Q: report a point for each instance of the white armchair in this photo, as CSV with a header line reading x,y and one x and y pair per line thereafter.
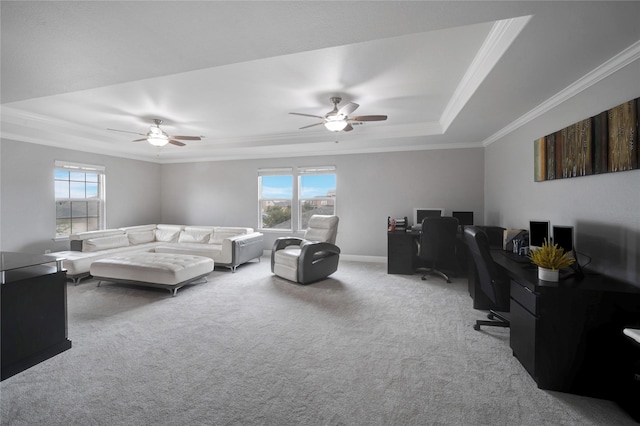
x,y
309,259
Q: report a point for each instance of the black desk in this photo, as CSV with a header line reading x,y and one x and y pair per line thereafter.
x,y
568,335
34,311
402,253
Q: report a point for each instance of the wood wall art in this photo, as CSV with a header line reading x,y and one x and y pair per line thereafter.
x,y
607,142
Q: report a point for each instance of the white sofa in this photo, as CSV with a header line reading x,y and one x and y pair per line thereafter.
x,y
227,246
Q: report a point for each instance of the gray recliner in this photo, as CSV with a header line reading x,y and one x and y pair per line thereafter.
x,y
309,259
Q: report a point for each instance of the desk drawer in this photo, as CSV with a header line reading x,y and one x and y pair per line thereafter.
x,y
525,297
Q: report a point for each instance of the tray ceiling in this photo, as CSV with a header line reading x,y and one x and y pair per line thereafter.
x,y
447,74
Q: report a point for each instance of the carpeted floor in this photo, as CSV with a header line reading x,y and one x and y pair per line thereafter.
x,y
247,348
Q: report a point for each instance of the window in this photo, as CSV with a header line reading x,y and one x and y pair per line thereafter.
x,y
79,195
316,193
288,197
275,197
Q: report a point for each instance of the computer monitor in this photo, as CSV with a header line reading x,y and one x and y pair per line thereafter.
x,y
563,237
538,232
464,218
419,213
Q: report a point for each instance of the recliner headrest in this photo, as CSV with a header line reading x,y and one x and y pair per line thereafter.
x,y
322,228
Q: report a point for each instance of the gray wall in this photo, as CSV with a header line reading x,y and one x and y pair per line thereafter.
x,y
370,187
27,217
604,209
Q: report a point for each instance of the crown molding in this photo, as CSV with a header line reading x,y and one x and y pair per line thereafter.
x,y
616,63
501,36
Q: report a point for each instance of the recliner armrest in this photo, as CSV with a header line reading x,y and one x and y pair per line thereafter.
x,y
317,260
312,248
283,242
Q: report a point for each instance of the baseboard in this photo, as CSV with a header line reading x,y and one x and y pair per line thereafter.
x,y
369,259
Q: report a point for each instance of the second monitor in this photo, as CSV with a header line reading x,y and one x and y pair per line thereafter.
x,y
563,237
419,213
464,218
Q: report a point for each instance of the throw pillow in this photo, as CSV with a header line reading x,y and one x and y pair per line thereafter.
x,y
167,236
141,237
194,237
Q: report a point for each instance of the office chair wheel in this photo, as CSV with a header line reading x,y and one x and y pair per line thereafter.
x,y
490,316
476,327
424,278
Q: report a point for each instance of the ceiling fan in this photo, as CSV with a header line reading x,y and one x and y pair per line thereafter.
x,y
158,137
338,119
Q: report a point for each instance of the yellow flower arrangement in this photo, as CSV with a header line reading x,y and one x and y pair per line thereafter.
x,y
551,257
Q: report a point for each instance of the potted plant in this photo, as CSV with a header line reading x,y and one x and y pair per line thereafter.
x,y
550,259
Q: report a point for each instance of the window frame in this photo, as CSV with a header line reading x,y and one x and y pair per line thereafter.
x,y
296,201
314,171
72,167
282,171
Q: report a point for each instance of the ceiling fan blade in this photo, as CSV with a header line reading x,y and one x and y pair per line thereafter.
x,y
348,128
126,131
139,140
348,108
187,138
369,118
307,115
176,143
310,125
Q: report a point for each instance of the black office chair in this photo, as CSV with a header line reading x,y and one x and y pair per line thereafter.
x,y
493,283
438,244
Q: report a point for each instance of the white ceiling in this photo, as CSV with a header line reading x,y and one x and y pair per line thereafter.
x,y
448,74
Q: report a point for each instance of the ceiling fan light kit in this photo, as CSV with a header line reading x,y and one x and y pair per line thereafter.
x,y
336,124
158,137
338,120
158,140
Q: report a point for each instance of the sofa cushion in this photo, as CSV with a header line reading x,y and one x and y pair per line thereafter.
x,y
138,228
194,236
170,227
141,237
103,243
95,234
167,235
222,232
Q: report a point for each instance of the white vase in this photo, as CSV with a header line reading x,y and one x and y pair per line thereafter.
x,y
548,274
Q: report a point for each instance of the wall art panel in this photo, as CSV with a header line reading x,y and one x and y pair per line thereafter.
x,y
607,142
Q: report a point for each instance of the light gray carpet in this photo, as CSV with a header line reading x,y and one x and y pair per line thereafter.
x,y
360,348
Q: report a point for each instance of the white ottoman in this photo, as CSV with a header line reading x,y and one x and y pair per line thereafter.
x,y
163,270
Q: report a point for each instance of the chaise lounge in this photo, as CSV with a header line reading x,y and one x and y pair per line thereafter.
x,y
228,247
